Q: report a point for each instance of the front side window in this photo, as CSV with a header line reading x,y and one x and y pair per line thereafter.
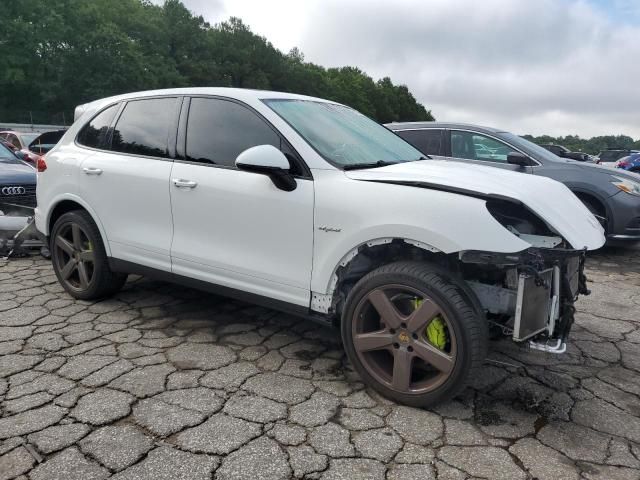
x,y
428,141
143,127
341,135
94,133
475,146
220,130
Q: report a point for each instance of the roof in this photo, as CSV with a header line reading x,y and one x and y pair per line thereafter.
x,y
243,94
419,125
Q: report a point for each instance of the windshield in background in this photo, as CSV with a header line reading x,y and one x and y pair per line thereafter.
x,y
27,138
7,156
612,155
529,147
342,135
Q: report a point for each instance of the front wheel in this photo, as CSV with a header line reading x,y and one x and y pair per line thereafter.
x,y
79,258
412,334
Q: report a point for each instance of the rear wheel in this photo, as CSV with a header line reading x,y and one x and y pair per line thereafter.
x,y
412,334
79,258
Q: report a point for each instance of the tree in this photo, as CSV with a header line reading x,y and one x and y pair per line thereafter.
x,y
57,54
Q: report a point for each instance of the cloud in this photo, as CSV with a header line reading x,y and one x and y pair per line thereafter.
x,y
544,66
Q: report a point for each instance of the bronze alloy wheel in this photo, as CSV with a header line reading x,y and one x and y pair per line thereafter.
x,y
74,256
395,344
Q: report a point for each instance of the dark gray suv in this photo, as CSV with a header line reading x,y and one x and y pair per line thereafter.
x,y
613,196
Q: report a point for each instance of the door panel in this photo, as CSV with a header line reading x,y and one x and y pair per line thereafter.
x,y
131,198
236,229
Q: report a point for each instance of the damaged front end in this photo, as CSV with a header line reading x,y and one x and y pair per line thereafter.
x,y
528,295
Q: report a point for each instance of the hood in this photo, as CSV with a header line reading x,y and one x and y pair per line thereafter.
x,y
552,201
17,173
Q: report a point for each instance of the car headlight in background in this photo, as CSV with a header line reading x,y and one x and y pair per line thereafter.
x,y
626,185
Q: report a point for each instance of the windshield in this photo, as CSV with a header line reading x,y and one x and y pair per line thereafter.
x,y
7,156
531,148
342,135
27,138
612,155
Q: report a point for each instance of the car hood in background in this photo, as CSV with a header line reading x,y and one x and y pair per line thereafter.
x,y
16,173
552,201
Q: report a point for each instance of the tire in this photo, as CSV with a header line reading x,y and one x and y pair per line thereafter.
x,y
366,333
79,259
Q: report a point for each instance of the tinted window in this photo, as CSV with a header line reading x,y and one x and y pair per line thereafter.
x,y
427,141
94,134
143,127
475,146
219,130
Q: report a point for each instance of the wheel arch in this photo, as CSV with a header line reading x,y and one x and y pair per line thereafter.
x,y
598,203
69,204
368,256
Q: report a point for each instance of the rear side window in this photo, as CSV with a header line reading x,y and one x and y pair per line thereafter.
x,y
143,127
427,141
219,130
94,134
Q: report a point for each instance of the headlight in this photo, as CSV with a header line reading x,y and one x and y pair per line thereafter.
x,y
626,185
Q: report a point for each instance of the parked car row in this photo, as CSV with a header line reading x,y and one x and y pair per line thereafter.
x,y
32,145
308,206
564,152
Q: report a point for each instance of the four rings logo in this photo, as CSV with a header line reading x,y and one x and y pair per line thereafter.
x,y
13,191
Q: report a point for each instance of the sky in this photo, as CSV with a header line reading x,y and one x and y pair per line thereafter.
x,y
557,67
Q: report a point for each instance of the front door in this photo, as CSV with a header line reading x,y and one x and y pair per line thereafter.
x,y
235,228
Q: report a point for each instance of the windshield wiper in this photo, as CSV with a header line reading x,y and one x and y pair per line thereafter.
x,y
358,166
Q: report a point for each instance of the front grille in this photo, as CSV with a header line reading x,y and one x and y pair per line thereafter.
x,y
26,199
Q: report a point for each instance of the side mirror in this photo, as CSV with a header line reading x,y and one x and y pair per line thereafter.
x,y
517,158
270,161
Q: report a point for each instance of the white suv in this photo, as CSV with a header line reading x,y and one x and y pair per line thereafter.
x,y
308,206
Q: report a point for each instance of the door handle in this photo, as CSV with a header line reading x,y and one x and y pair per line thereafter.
x,y
181,183
92,171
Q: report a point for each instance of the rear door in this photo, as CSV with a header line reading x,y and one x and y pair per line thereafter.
x,y
481,149
127,181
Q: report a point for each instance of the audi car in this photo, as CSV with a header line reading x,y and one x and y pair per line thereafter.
x,y
17,182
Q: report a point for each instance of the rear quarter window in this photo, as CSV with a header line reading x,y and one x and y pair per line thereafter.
x,y
94,134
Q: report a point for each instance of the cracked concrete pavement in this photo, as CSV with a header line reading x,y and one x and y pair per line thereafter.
x,y
164,382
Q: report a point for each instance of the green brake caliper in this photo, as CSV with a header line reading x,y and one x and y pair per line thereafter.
x,y
436,331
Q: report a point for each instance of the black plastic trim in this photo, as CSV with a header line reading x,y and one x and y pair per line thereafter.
x,y
125,266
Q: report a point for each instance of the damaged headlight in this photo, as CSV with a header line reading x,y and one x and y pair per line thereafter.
x,y
514,216
626,185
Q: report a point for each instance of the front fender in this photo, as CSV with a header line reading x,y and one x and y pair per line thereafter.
x,y
350,213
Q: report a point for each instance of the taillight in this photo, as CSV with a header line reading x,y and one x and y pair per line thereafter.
x,y
621,164
41,164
